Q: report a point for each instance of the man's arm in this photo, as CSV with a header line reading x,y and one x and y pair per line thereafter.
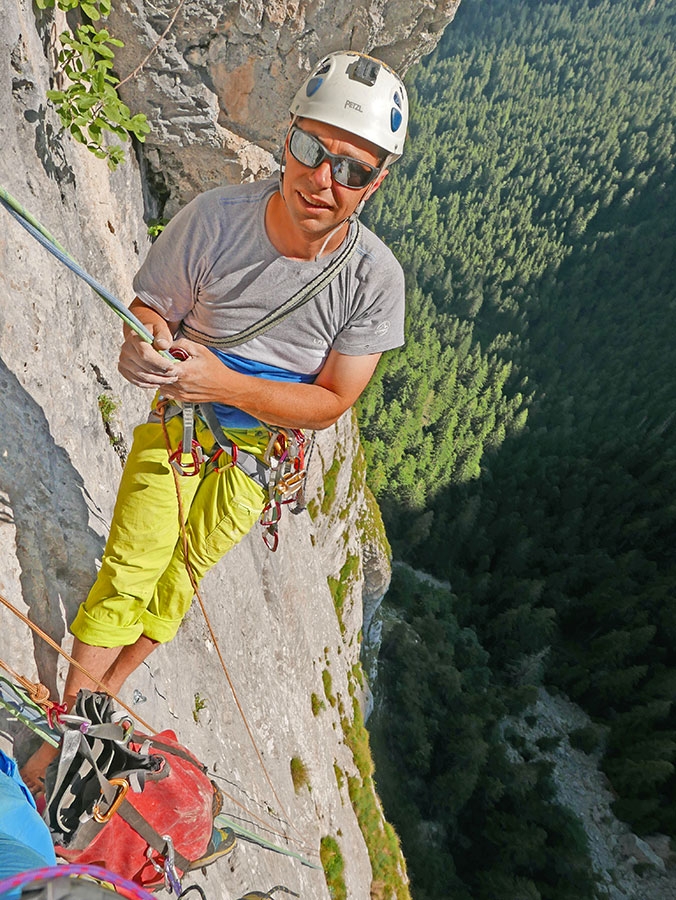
x,y
204,378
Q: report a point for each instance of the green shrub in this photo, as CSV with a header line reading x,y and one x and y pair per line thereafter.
x,y
587,739
299,773
333,865
317,704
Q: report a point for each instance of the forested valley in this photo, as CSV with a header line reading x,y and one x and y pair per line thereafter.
x,y
522,445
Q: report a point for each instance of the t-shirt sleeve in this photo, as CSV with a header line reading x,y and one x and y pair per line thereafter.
x,y
169,279
378,323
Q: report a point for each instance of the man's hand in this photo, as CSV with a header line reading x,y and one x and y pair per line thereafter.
x,y
140,362
201,377
204,378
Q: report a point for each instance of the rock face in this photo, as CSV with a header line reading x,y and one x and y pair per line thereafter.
x,y
627,867
288,623
218,87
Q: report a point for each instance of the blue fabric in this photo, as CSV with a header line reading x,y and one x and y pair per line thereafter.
x,y
25,841
229,416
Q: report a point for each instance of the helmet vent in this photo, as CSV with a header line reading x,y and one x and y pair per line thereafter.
x,y
313,86
395,119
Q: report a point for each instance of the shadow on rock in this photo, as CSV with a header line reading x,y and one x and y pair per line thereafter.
x,y
46,500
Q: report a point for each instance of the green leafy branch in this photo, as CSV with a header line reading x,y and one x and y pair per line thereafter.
x,y
90,106
93,11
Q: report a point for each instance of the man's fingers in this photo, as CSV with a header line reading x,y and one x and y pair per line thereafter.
x,y
162,342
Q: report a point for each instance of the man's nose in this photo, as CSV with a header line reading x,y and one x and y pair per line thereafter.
x,y
322,175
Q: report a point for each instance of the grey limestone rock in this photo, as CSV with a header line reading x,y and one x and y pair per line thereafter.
x,y
215,92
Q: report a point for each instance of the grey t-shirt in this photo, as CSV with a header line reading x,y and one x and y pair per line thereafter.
x,y
214,268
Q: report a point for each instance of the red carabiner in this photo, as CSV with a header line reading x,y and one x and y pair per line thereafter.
x,y
197,458
271,538
272,513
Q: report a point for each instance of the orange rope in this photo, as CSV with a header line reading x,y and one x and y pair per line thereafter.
x,y
37,692
161,407
73,662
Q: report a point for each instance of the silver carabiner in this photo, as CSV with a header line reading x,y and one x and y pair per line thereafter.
x,y
171,879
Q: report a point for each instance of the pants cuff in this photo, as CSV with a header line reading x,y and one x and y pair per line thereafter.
x,y
103,634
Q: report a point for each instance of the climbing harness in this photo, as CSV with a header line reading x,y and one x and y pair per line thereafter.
x,y
141,805
283,474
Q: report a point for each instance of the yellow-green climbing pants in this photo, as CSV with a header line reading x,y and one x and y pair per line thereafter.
x,y
143,586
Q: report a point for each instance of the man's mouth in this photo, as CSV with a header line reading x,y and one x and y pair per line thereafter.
x,y
311,201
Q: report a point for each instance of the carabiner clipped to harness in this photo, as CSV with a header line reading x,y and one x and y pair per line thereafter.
x,y
107,815
171,880
285,454
196,454
196,459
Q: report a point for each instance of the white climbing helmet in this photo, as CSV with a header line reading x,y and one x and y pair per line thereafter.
x,y
360,94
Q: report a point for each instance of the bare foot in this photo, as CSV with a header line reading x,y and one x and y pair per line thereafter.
x,y
33,772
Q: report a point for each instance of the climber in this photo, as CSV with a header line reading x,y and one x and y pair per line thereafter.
x,y
232,258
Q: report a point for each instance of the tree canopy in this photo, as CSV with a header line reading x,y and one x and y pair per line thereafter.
x,y
522,444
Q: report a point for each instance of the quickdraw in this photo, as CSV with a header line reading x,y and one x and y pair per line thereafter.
x,y
285,454
171,880
195,453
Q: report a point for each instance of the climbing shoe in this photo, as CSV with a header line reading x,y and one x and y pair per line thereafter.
x,y
222,841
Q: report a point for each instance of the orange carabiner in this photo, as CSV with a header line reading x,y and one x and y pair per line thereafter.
x,y
123,786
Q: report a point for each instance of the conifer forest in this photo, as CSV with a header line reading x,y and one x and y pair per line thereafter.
x,y
522,446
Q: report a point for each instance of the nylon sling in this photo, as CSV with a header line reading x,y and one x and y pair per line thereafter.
x,y
248,463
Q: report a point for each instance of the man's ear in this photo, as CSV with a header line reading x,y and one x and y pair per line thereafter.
x,y
373,187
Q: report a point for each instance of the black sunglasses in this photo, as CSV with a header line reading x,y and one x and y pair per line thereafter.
x,y
309,151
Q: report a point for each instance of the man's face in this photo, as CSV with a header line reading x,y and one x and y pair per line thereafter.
x,y
315,201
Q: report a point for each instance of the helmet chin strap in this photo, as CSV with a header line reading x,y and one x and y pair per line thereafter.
x,y
352,218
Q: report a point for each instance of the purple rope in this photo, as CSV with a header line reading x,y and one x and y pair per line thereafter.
x,y
66,871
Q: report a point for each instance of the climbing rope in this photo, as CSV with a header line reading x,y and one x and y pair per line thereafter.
x,y
195,587
48,873
73,662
